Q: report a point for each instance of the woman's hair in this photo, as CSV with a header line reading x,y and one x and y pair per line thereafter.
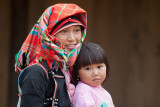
x,y
90,53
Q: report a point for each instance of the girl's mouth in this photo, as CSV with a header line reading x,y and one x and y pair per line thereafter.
x,y
96,79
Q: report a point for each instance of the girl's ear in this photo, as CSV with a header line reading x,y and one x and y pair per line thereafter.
x,y
78,78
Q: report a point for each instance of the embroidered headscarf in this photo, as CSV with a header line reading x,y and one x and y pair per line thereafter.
x,y
41,44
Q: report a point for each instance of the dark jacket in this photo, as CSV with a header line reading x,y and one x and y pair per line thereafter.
x,y
41,87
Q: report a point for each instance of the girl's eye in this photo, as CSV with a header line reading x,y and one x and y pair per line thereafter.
x,y
88,68
100,66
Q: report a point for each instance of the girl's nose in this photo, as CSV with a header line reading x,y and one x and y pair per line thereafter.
x,y
95,72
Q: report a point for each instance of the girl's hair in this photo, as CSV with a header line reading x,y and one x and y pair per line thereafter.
x,y
90,53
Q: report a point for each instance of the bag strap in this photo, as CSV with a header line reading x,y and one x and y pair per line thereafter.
x,y
43,69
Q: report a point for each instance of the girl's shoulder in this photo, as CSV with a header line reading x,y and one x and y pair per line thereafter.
x,y
82,85
84,96
83,88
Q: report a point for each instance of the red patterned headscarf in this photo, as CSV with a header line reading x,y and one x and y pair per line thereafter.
x,y
41,44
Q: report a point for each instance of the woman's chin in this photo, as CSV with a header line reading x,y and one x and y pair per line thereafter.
x,y
67,51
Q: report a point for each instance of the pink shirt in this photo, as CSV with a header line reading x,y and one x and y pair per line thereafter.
x,y
88,96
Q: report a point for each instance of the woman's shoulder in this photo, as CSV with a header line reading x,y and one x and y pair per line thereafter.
x,y
33,72
33,69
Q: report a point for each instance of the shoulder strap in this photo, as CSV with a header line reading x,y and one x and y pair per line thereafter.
x,y
46,71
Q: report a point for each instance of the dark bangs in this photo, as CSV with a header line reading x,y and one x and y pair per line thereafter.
x,y
92,55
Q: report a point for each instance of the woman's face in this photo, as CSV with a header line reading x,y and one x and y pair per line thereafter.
x,y
69,37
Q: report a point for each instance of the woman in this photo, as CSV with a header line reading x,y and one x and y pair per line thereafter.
x,y
47,55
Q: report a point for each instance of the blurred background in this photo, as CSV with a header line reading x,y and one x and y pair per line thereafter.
x,y
128,30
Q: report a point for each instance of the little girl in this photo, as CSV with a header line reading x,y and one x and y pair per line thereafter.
x,y
89,72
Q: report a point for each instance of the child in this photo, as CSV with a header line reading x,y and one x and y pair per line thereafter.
x,y
89,72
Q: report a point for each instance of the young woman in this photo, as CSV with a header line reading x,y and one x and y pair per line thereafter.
x,y
89,72
47,55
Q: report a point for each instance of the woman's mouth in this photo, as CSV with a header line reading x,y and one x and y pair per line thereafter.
x,y
69,47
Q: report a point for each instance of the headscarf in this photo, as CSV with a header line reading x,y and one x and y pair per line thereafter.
x,y
40,44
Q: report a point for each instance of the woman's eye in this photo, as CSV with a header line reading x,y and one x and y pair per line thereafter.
x,y
63,31
77,30
88,68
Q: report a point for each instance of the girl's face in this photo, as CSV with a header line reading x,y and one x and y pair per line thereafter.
x,y
93,75
69,37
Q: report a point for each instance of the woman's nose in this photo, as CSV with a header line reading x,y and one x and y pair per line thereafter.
x,y
71,36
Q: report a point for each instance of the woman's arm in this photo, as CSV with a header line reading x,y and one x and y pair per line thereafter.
x,y
33,83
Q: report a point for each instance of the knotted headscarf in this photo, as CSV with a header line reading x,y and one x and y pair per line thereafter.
x,y
41,44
